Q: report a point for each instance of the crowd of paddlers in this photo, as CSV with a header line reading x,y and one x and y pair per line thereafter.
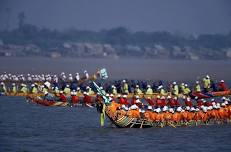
x,y
153,101
34,83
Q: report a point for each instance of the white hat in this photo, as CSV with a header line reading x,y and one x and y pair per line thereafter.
x,y
133,107
187,108
125,96
45,92
118,96
137,97
179,109
149,107
137,101
148,86
13,84
165,108
222,81
32,85
158,96
163,97
78,88
107,95
197,82
158,110
174,83
67,85
84,92
186,85
87,87
137,86
207,76
171,110
124,80
160,87
168,97
61,91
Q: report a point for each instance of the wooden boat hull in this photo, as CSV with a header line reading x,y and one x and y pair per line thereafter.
x,y
40,101
211,94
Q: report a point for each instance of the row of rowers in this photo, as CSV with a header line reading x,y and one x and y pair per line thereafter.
x,y
125,88
224,108
162,101
46,87
42,77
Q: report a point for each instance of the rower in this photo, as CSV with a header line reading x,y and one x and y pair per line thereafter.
x,y
150,101
48,96
114,90
87,99
188,102
124,87
67,90
14,89
222,86
24,88
149,90
89,91
175,89
186,90
206,83
138,91
171,102
74,98
3,89
162,91
62,97
197,87
34,89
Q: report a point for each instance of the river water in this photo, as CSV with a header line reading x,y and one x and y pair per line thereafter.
x,y
26,127
145,69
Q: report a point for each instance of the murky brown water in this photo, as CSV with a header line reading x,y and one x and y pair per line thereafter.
x,y
122,68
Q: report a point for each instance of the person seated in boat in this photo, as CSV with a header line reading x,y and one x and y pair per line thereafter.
x,y
3,89
206,83
148,114
62,97
24,88
134,111
14,88
186,90
199,102
188,102
34,89
158,101
162,90
163,101
222,86
149,90
138,103
124,87
74,98
181,88
89,90
114,90
67,90
124,100
150,101
197,87
138,90
175,89
87,100
48,96
170,102
176,101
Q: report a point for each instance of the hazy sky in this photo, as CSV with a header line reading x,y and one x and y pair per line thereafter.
x,y
186,16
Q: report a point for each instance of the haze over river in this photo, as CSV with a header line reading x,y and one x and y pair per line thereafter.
x,y
145,69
